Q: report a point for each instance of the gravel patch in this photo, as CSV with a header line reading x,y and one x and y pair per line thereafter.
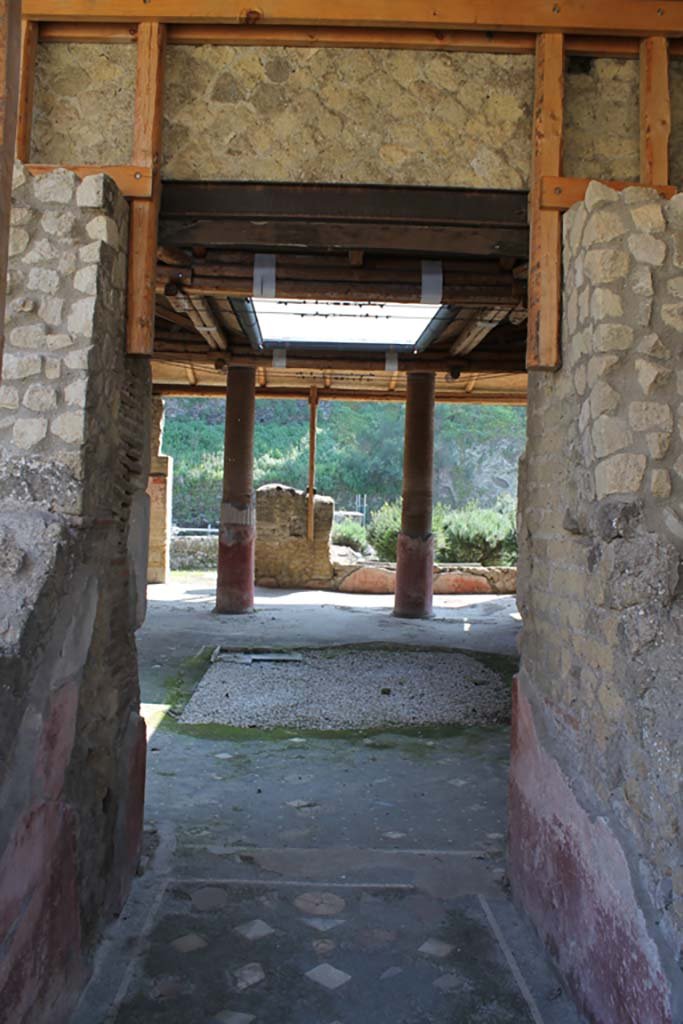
x,y
350,690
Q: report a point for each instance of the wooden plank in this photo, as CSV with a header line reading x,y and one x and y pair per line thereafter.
x,y
459,41
29,46
655,111
87,32
144,213
629,17
560,193
545,263
133,182
10,43
174,390
477,325
202,316
430,240
312,439
349,203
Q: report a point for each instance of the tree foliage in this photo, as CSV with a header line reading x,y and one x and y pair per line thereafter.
x,y
360,451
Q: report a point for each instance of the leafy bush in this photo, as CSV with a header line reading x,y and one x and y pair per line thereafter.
x,y
384,528
486,535
350,534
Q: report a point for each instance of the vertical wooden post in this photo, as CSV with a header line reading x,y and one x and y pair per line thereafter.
x,y
655,111
312,438
29,46
10,27
545,257
144,213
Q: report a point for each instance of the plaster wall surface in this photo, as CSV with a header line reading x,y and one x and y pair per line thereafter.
x,y
74,439
340,115
595,799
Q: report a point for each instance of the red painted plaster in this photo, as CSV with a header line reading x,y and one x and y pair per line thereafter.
x,y
570,874
414,576
236,564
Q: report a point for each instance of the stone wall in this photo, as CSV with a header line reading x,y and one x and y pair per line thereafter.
x,y
73,527
595,833
160,491
284,555
368,116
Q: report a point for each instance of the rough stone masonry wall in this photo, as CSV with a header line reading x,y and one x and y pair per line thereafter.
x,y
74,449
369,116
595,833
284,555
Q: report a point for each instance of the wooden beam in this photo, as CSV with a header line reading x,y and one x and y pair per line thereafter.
x,y
629,17
545,263
655,111
10,41
29,46
312,440
561,193
342,395
144,213
202,316
477,325
133,182
458,41
489,363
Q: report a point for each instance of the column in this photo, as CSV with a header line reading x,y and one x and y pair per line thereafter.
x,y
237,538
415,550
160,491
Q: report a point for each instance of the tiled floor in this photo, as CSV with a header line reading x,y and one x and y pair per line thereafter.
x,y
232,953
321,879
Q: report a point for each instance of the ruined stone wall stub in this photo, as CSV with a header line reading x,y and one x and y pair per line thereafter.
x,y
74,437
284,555
160,491
358,116
595,806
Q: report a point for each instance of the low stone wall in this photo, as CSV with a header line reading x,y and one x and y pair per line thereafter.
x,y
193,553
285,557
73,551
374,578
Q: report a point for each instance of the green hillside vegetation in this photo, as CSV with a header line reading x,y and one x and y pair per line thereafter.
x,y
360,451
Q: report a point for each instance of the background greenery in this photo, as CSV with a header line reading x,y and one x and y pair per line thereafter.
x,y
360,451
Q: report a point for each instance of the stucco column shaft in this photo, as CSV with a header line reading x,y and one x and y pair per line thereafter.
x,y
237,538
415,549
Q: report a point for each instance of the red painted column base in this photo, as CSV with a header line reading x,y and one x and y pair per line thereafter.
x,y
236,562
414,577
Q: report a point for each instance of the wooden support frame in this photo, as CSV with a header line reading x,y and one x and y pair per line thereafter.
x,y
133,182
29,47
312,444
637,18
655,111
10,31
144,213
545,263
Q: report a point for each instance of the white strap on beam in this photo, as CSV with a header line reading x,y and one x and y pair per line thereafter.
x,y
264,276
432,282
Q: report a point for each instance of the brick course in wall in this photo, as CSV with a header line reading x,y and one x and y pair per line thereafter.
x,y
595,833
73,532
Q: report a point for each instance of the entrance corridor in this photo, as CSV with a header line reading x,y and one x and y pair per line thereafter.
x,y
304,877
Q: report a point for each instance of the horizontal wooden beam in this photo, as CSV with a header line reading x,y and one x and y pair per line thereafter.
x,y
627,18
459,41
340,394
360,363
133,182
559,193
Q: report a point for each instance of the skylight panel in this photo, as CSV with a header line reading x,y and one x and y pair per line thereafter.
x,y
308,322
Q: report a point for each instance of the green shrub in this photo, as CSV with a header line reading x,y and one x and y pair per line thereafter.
x,y
349,533
384,528
474,534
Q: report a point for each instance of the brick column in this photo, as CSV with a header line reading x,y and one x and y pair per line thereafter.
x,y
160,491
237,538
415,551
